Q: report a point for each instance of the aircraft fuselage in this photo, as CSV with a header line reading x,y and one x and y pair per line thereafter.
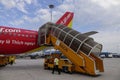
x,y
15,41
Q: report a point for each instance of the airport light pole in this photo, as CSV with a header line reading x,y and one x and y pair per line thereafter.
x,y
51,6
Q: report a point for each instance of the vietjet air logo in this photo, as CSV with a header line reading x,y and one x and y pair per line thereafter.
x,y
9,30
66,19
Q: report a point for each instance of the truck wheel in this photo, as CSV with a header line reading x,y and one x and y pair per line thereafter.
x,y
71,72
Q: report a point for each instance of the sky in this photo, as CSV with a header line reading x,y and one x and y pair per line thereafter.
x,y
102,16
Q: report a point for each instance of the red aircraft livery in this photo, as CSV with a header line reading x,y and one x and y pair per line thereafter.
x,y
17,41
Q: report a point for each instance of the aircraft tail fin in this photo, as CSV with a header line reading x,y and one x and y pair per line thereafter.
x,y
66,19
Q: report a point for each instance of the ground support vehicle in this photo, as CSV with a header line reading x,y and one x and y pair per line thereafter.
x,y
81,50
5,60
64,64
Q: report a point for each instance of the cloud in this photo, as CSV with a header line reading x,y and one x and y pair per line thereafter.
x,y
66,5
29,1
44,14
8,3
110,41
31,19
17,22
19,4
107,3
25,21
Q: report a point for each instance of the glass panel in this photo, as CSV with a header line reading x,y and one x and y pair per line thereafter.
x,y
68,39
62,36
86,49
42,39
56,32
73,33
90,42
75,45
66,29
81,37
97,50
49,30
52,30
61,26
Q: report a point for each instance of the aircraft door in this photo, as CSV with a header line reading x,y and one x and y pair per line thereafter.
x,y
42,35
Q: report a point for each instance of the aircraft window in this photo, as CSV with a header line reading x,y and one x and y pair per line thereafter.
x,y
23,35
26,35
68,39
75,45
73,32
86,49
5,33
81,37
66,29
62,36
34,36
57,32
18,34
14,34
31,36
10,34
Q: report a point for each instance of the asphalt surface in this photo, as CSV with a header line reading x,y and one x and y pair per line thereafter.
x,y
27,69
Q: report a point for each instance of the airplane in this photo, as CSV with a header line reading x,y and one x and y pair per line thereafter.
x,y
79,48
18,41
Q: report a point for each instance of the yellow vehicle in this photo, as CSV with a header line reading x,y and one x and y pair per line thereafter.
x,y
11,59
81,50
4,60
64,64
49,60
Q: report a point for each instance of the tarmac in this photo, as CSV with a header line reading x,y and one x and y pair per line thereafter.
x,y
32,69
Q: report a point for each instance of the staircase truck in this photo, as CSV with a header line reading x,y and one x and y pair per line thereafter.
x,y
82,51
